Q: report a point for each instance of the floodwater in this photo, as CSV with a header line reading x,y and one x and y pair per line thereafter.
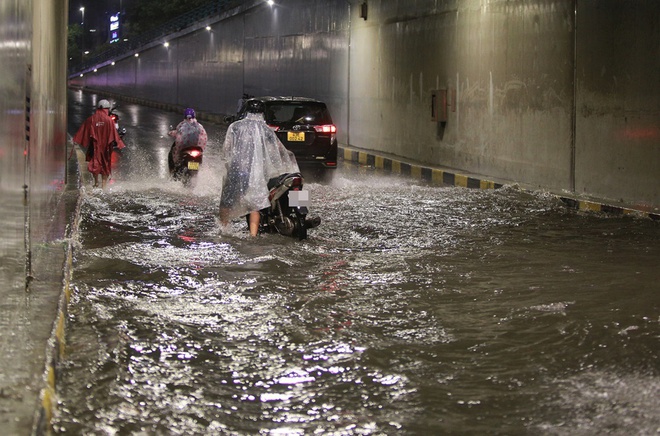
x,y
413,309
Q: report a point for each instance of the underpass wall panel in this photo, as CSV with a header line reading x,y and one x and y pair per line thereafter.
x,y
515,82
298,49
47,152
15,35
33,104
506,69
121,77
156,74
32,180
618,104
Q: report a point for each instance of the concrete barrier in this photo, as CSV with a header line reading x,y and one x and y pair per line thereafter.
x,y
56,345
447,176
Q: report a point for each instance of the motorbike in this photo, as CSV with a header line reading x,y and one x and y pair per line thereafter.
x,y
115,119
287,214
116,151
189,159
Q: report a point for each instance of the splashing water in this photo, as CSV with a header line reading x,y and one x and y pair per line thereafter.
x,y
412,309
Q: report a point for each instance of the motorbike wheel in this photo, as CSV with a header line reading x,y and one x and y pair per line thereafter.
x,y
302,228
188,178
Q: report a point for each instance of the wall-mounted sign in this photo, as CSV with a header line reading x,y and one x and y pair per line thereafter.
x,y
114,28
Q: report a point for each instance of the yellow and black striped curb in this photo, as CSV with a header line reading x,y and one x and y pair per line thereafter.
x,y
55,353
42,424
428,174
450,178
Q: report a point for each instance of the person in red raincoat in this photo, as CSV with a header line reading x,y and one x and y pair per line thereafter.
x,y
98,136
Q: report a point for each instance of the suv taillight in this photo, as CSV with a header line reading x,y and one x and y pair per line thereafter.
x,y
274,128
326,128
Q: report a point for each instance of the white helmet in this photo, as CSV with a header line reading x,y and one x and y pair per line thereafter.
x,y
104,104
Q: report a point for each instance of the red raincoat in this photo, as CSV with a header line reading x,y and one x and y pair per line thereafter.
x,y
97,135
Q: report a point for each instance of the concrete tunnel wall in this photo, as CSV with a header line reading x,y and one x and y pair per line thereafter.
x,y
32,126
34,217
560,95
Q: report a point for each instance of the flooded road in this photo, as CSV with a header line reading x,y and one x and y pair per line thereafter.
x,y
413,309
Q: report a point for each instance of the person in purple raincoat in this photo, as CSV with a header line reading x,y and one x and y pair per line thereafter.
x,y
188,133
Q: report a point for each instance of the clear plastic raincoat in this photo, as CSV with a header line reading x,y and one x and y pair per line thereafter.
x,y
253,155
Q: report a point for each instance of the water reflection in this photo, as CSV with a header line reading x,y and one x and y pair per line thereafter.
x,y
411,310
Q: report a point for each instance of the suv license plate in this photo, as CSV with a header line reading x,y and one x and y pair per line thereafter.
x,y
295,136
194,166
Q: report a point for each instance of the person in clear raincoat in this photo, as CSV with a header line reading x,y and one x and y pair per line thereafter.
x,y
188,133
253,155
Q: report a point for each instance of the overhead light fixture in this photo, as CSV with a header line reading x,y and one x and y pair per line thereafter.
x,y
208,28
270,2
167,44
136,54
113,62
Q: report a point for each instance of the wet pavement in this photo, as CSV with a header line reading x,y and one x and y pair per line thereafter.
x,y
413,309
28,309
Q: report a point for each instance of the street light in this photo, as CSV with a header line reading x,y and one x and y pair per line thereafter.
x,y
82,34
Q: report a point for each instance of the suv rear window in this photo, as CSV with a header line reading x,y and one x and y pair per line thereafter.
x,y
297,113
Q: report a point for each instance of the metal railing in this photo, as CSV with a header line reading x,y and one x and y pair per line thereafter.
x,y
178,24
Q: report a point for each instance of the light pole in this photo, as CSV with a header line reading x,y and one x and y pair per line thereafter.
x,y
82,35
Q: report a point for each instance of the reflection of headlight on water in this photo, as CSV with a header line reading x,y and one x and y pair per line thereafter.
x,y
274,397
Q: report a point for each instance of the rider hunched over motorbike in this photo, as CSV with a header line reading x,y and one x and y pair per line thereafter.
x,y
189,134
253,156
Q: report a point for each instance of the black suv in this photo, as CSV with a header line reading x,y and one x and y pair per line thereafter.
x,y
304,126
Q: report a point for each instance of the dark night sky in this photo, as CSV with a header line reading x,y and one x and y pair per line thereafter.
x,y
97,15
95,10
